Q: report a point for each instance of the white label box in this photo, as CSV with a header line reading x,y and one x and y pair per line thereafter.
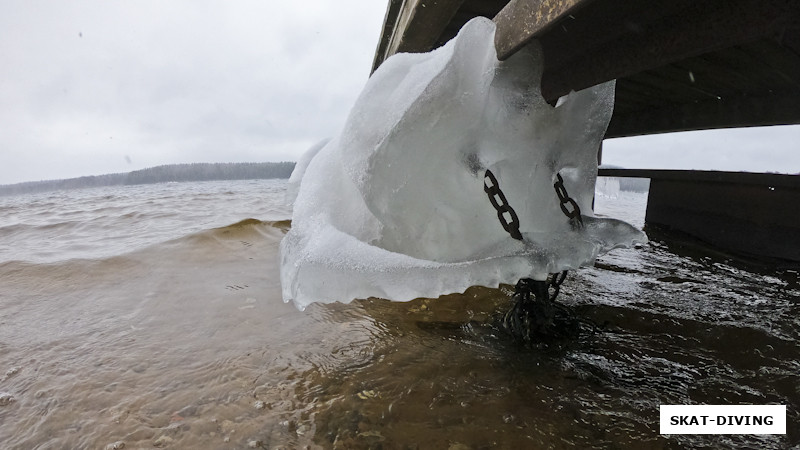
x,y
723,419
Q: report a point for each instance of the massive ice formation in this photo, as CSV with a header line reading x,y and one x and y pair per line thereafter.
x,y
394,207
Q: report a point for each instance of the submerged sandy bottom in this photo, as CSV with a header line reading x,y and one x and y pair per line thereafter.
x,y
187,344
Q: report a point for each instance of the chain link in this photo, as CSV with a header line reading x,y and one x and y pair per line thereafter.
x,y
568,205
535,310
532,312
554,284
537,319
566,202
501,205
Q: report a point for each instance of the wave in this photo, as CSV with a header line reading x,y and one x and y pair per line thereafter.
x,y
40,245
246,223
17,228
269,230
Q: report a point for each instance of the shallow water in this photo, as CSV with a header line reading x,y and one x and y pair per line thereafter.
x,y
151,316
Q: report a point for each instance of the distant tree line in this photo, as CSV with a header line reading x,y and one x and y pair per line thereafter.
x,y
160,174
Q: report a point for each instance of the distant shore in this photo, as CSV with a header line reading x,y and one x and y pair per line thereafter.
x,y
160,174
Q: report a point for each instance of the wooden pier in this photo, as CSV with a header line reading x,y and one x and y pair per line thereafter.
x,y
680,65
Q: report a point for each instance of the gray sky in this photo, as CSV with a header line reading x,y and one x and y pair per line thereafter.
x,y
762,149
92,87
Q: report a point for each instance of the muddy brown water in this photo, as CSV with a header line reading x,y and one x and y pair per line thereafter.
x,y
144,339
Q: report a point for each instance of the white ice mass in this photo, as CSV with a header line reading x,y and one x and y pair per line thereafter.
x,y
394,206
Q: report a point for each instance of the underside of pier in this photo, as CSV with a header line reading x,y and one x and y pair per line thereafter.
x,y
680,65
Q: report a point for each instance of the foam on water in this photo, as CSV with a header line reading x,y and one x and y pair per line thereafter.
x,y
395,207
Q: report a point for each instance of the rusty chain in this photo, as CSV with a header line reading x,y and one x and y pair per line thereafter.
x,y
498,199
535,306
565,201
536,319
502,207
554,284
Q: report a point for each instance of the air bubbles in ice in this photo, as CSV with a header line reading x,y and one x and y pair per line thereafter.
x,y
394,206
6,399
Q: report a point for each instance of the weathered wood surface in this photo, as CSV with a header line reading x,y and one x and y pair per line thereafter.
x,y
579,61
522,20
417,25
747,213
679,64
736,111
711,176
759,220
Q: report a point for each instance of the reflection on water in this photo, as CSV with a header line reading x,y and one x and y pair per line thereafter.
x,y
186,344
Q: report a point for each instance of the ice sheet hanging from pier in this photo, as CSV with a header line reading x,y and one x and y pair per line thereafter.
x,y
395,207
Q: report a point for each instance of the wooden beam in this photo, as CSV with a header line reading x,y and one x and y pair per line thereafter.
x,y
739,211
706,26
745,218
389,25
708,176
413,26
421,23
522,20
775,109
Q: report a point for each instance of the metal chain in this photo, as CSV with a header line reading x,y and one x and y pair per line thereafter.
x,y
501,205
535,308
568,205
532,312
554,284
535,318
565,200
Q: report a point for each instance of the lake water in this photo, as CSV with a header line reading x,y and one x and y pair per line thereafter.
x,y
151,316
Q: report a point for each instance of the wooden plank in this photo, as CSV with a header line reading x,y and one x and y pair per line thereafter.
x,y
790,38
671,90
416,26
738,211
704,27
710,71
421,23
485,8
745,51
781,60
451,30
521,20
631,97
389,25
715,176
748,59
705,85
779,108
601,22
745,218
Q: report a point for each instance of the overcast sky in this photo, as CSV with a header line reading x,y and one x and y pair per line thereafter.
x,y
93,87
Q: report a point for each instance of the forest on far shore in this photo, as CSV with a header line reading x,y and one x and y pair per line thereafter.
x,y
160,174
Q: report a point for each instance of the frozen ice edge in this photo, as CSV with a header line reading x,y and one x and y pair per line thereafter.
x,y
363,229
